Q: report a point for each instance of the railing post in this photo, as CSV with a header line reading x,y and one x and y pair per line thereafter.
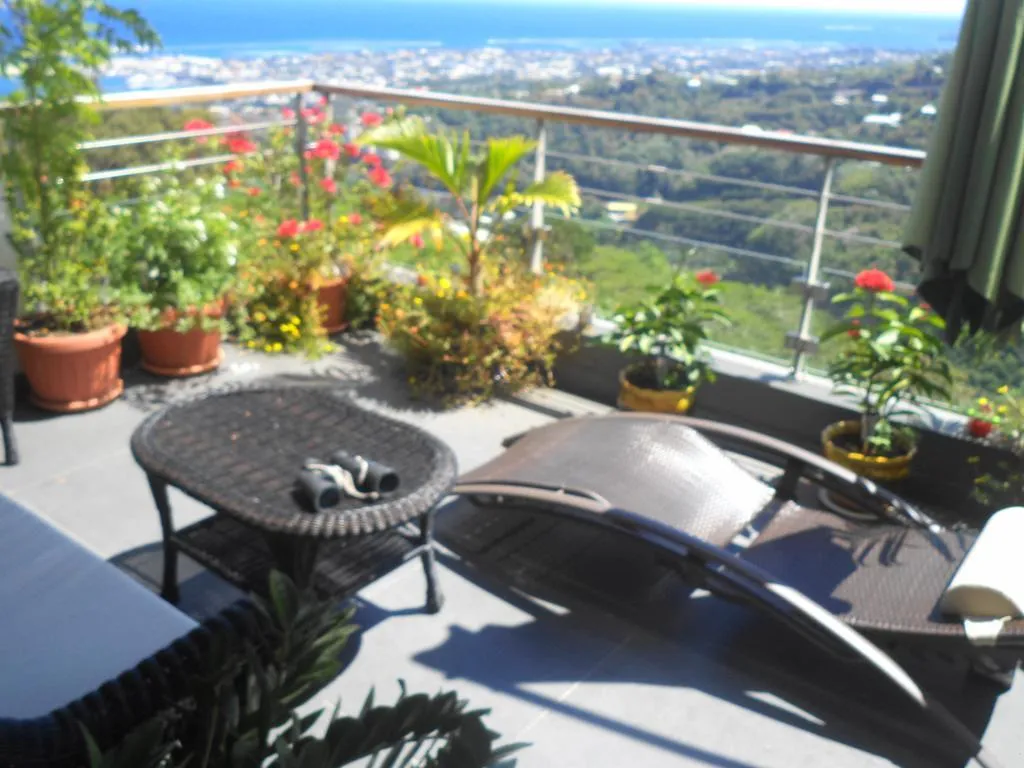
x,y
537,214
802,341
301,144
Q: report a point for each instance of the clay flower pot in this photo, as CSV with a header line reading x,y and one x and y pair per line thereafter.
x,y
169,352
73,371
332,297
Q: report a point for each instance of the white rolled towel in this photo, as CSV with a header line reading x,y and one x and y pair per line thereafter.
x,y
989,584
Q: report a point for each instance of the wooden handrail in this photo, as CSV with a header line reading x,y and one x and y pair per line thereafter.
x,y
174,96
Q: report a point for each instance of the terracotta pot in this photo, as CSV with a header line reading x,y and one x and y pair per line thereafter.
x,y
634,398
872,467
168,352
73,371
332,297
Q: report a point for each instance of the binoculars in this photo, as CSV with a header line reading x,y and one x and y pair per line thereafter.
x,y
323,484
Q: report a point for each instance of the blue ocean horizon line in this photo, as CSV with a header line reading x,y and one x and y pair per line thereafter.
x,y
310,26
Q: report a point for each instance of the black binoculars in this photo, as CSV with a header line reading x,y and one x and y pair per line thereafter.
x,y
369,478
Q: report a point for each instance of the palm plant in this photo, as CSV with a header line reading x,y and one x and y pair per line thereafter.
x,y
478,182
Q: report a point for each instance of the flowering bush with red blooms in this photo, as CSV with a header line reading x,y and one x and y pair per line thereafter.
x,y
707,277
241,145
197,124
998,419
326,149
330,186
288,114
371,119
893,355
352,150
380,176
371,159
460,348
874,280
334,129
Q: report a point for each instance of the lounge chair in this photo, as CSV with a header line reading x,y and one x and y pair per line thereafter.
x,y
833,578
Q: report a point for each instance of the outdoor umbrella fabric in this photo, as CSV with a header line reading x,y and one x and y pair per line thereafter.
x,y
966,226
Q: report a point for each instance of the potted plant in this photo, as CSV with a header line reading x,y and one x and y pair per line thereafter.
x,y
892,357
69,339
185,252
669,330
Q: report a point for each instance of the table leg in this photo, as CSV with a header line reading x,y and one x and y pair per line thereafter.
x,y
169,588
434,597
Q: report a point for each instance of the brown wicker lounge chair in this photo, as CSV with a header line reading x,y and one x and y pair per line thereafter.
x,y
834,579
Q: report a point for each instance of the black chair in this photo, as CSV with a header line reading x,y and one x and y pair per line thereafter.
x,y
8,311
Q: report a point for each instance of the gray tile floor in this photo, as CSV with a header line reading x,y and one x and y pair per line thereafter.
x,y
584,686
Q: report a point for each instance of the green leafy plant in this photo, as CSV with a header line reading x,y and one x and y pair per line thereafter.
x,y
479,183
183,254
243,714
54,50
670,329
893,355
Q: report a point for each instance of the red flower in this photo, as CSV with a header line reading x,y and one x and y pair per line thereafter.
x,y
325,149
706,277
355,219
308,154
259,218
241,145
313,225
234,183
233,166
371,159
371,119
379,176
254,191
421,281
874,280
979,428
288,228
352,150
313,115
294,179
323,101
288,113
854,333
198,125
335,129
926,306
329,186
416,240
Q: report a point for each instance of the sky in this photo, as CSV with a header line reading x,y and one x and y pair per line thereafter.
x,y
924,7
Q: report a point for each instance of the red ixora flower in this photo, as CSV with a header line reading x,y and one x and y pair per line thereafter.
x,y
241,145
706,277
874,280
288,113
979,428
379,176
313,115
352,150
355,219
199,125
371,159
254,191
335,129
288,228
233,166
313,225
416,240
325,149
329,186
371,119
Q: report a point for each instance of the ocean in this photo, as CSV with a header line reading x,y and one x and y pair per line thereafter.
x,y
260,28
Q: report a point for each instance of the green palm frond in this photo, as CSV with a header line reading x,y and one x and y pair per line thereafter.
x,y
558,189
446,158
502,156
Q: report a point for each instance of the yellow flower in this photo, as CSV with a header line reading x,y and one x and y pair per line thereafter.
x,y
982,401
278,346
418,301
251,344
263,241
294,320
259,317
443,284
343,219
1003,390
243,214
460,294
268,348
294,247
1003,409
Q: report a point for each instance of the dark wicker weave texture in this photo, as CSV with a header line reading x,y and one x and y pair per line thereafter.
x,y
8,310
240,451
120,705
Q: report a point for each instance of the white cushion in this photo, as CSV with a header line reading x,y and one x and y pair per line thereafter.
x,y
989,584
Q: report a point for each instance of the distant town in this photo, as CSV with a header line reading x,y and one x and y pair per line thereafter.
x,y
428,66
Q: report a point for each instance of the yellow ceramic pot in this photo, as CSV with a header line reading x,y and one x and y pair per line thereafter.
x,y
634,398
872,467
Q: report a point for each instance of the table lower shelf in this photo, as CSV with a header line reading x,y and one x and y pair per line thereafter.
x,y
240,554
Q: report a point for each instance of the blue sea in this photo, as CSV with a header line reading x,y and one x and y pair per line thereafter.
x,y
241,28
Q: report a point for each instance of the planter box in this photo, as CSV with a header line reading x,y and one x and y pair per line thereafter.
x,y
757,396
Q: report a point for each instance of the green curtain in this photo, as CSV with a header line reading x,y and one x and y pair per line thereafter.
x,y
966,226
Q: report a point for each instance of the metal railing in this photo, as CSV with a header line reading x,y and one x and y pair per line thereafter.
x,y
810,284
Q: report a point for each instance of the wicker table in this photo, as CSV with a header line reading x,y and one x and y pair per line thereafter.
x,y
239,452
